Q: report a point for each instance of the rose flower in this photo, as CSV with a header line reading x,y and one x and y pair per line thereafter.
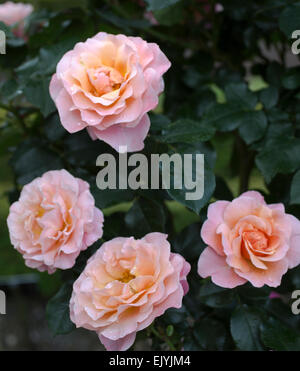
x,y
249,241
107,85
54,219
13,14
125,285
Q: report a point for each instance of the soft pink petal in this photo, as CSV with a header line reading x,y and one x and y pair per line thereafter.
x,y
119,136
293,254
118,345
214,265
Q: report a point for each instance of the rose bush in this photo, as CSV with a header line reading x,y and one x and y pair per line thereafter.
x,y
182,77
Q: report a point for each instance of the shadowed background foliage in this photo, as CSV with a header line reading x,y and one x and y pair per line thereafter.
x,y
234,79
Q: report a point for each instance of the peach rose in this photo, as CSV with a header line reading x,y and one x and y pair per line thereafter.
x,y
125,285
107,85
13,14
249,241
54,219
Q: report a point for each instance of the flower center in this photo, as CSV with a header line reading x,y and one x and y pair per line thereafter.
x,y
127,277
257,242
104,80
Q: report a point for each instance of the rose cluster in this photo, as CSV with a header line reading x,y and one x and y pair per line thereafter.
x,y
107,85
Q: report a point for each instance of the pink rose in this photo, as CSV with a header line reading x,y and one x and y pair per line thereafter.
x,y
107,85
54,219
249,241
13,14
126,284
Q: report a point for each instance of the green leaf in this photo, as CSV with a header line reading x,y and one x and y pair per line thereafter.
x,y
224,117
109,197
115,226
27,70
175,316
160,4
32,159
145,216
281,156
190,343
58,312
277,336
210,334
276,116
249,293
198,176
289,19
244,325
10,90
187,131
253,127
215,296
295,189
282,310
188,243
80,149
269,97
275,131
240,94
53,128
37,93
10,136
222,191
158,122
291,79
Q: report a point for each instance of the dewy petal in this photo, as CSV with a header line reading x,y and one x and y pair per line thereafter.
x,y
55,87
214,265
255,196
70,117
210,236
239,208
119,136
216,211
293,254
121,344
270,276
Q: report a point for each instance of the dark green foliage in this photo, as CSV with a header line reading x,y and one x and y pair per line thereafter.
x,y
246,122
